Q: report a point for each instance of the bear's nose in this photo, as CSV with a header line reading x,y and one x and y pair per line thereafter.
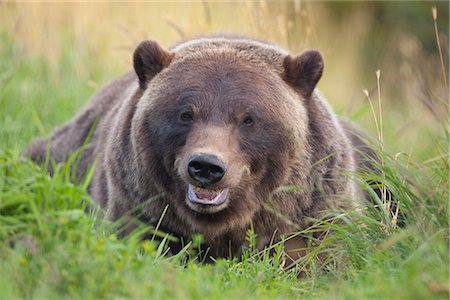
x,y
206,169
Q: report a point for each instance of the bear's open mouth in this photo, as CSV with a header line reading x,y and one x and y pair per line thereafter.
x,y
207,197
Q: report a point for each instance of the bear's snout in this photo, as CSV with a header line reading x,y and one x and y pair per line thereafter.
x,y
206,169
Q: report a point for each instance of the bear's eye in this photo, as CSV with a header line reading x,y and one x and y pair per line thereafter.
x,y
187,117
248,121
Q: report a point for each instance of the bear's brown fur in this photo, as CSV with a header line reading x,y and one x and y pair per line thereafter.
x,y
209,131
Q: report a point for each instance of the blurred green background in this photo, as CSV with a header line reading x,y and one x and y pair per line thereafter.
x,y
77,47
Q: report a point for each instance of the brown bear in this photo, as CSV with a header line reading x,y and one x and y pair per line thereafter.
x,y
203,137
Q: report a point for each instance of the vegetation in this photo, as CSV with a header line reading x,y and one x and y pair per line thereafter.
x,y
55,244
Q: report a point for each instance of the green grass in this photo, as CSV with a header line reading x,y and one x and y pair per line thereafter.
x,y
52,246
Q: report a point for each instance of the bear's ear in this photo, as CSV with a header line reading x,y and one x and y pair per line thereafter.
x,y
149,59
303,71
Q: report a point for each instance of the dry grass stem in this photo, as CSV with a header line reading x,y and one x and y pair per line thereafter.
x,y
438,42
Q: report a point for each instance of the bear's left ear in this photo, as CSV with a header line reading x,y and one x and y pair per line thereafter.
x,y
149,59
303,71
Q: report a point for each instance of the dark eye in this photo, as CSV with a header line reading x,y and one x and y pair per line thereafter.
x,y
248,121
187,117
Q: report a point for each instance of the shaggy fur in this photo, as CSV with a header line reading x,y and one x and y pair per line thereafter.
x,y
248,103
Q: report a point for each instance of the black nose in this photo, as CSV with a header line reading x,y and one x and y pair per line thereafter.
x,y
206,169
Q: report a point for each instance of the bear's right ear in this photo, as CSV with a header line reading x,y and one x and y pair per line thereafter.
x,y
303,71
149,59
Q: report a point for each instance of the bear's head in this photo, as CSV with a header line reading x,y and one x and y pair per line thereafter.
x,y
220,124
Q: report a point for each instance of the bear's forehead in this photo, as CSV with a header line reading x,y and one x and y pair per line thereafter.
x,y
253,51
226,62
225,75
219,76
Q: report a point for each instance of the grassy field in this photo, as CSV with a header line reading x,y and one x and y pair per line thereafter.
x,y
52,59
